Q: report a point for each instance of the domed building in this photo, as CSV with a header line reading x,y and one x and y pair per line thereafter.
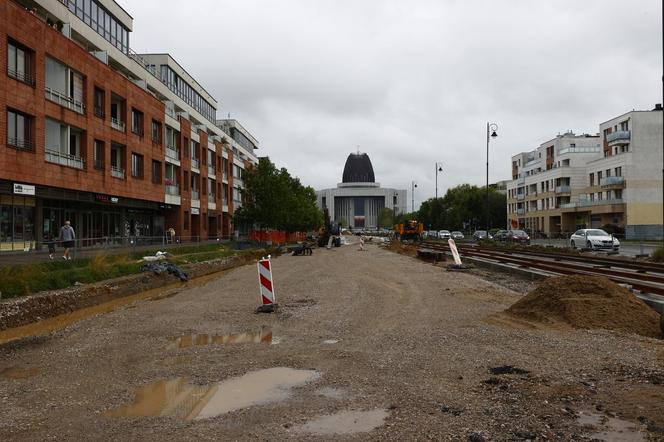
x,y
358,199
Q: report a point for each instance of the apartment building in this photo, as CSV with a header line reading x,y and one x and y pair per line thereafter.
x,y
121,144
575,181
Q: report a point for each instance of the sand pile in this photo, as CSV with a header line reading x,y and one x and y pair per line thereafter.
x,y
404,249
587,302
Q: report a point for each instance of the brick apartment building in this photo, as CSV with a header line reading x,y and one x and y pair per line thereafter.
x,y
576,181
121,144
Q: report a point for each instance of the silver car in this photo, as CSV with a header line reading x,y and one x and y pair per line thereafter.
x,y
444,234
456,235
594,239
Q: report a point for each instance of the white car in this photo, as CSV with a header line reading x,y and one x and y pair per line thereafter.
x,y
456,235
444,234
594,239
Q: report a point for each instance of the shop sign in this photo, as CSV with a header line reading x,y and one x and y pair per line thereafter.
x,y
106,199
195,211
23,189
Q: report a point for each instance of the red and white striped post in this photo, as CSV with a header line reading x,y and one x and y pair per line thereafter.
x,y
266,285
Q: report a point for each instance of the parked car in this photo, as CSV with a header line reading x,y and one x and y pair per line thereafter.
x,y
431,234
501,235
594,239
481,234
456,235
444,234
518,236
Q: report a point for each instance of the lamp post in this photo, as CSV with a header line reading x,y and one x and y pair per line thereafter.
x,y
439,168
490,133
412,196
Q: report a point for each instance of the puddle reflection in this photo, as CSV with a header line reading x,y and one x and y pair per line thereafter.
x,y
262,336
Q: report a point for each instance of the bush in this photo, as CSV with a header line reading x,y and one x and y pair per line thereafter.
x,y
658,254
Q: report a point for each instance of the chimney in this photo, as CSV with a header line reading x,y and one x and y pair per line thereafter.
x,y
658,107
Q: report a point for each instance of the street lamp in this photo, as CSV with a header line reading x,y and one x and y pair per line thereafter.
x,y
490,133
439,168
412,196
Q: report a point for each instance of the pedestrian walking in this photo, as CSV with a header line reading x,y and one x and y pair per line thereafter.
x,y
50,242
68,237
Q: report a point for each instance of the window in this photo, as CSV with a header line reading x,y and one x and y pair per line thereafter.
x,y
64,144
118,159
98,155
608,172
20,130
618,171
137,122
599,177
156,172
64,86
136,165
592,179
99,103
20,63
156,132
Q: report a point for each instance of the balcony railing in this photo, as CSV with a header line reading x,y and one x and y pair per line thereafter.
x,y
99,112
117,124
520,211
64,159
195,163
64,100
563,189
237,181
224,200
580,149
138,130
20,144
173,152
521,196
620,135
212,170
173,189
211,197
25,77
225,176
586,203
117,172
195,195
612,181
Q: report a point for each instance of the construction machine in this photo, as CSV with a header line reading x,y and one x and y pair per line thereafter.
x,y
329,230
409,230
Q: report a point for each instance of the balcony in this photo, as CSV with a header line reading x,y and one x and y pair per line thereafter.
x,y
237,181
172,189
195,195
612,181
117,172
589,203
117,125
520,211
563,189
619,137
224,176
211,171
99,112
521,196
137,130
65,159
25,77
64,101
211,196
195,163
173,153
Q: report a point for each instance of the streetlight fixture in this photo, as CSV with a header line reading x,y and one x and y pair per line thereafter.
x,y
490,133
439,168
412,196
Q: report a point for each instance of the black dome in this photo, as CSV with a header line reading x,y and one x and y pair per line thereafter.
x,y
358,169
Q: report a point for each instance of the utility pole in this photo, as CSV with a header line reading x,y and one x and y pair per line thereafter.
x,y
490,133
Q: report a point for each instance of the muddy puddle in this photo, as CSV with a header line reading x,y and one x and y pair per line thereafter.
x,y
345,422
178,398
18,373
611,429
260,336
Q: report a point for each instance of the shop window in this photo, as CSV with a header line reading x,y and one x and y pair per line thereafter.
x,y
20,130
136,165
156,172
20,63
98,155
137,122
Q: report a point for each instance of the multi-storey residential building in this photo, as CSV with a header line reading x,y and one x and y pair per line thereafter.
x,y
591,181
120,144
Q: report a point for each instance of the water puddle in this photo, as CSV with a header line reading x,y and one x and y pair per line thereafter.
x,y
332,393
261,336
345,422
178,398
612,429
18,373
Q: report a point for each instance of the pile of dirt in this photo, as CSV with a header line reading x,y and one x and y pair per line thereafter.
x,y
587,302
402,248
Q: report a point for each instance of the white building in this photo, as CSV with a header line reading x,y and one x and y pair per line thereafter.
x,y
358,199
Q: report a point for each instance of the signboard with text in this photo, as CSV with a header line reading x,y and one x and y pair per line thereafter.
x,y
23,189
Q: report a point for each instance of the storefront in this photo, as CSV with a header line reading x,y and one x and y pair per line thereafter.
x,y
17,222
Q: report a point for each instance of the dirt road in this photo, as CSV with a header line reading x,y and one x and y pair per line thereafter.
x,y
383,347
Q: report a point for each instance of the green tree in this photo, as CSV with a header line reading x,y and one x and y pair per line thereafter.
x,y
275,200
343,222
386,217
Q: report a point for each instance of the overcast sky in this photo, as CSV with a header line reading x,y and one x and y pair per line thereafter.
x,y
411,83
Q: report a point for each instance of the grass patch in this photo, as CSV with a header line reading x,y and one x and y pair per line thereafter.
x,y
25,279
658,254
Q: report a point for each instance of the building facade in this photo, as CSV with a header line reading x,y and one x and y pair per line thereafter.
x,y
358,199
122,145
613,178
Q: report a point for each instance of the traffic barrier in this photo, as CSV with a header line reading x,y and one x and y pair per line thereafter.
x,y
455,252
266,286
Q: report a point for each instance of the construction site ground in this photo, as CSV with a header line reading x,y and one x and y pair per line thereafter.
x,y
393,348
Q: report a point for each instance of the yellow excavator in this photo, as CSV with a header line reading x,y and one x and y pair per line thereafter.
x,y
410,230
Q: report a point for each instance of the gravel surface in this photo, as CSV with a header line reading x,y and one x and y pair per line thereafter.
x,y
383,331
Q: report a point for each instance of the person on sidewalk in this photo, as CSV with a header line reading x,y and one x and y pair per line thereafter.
x,y
50,242
68,237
